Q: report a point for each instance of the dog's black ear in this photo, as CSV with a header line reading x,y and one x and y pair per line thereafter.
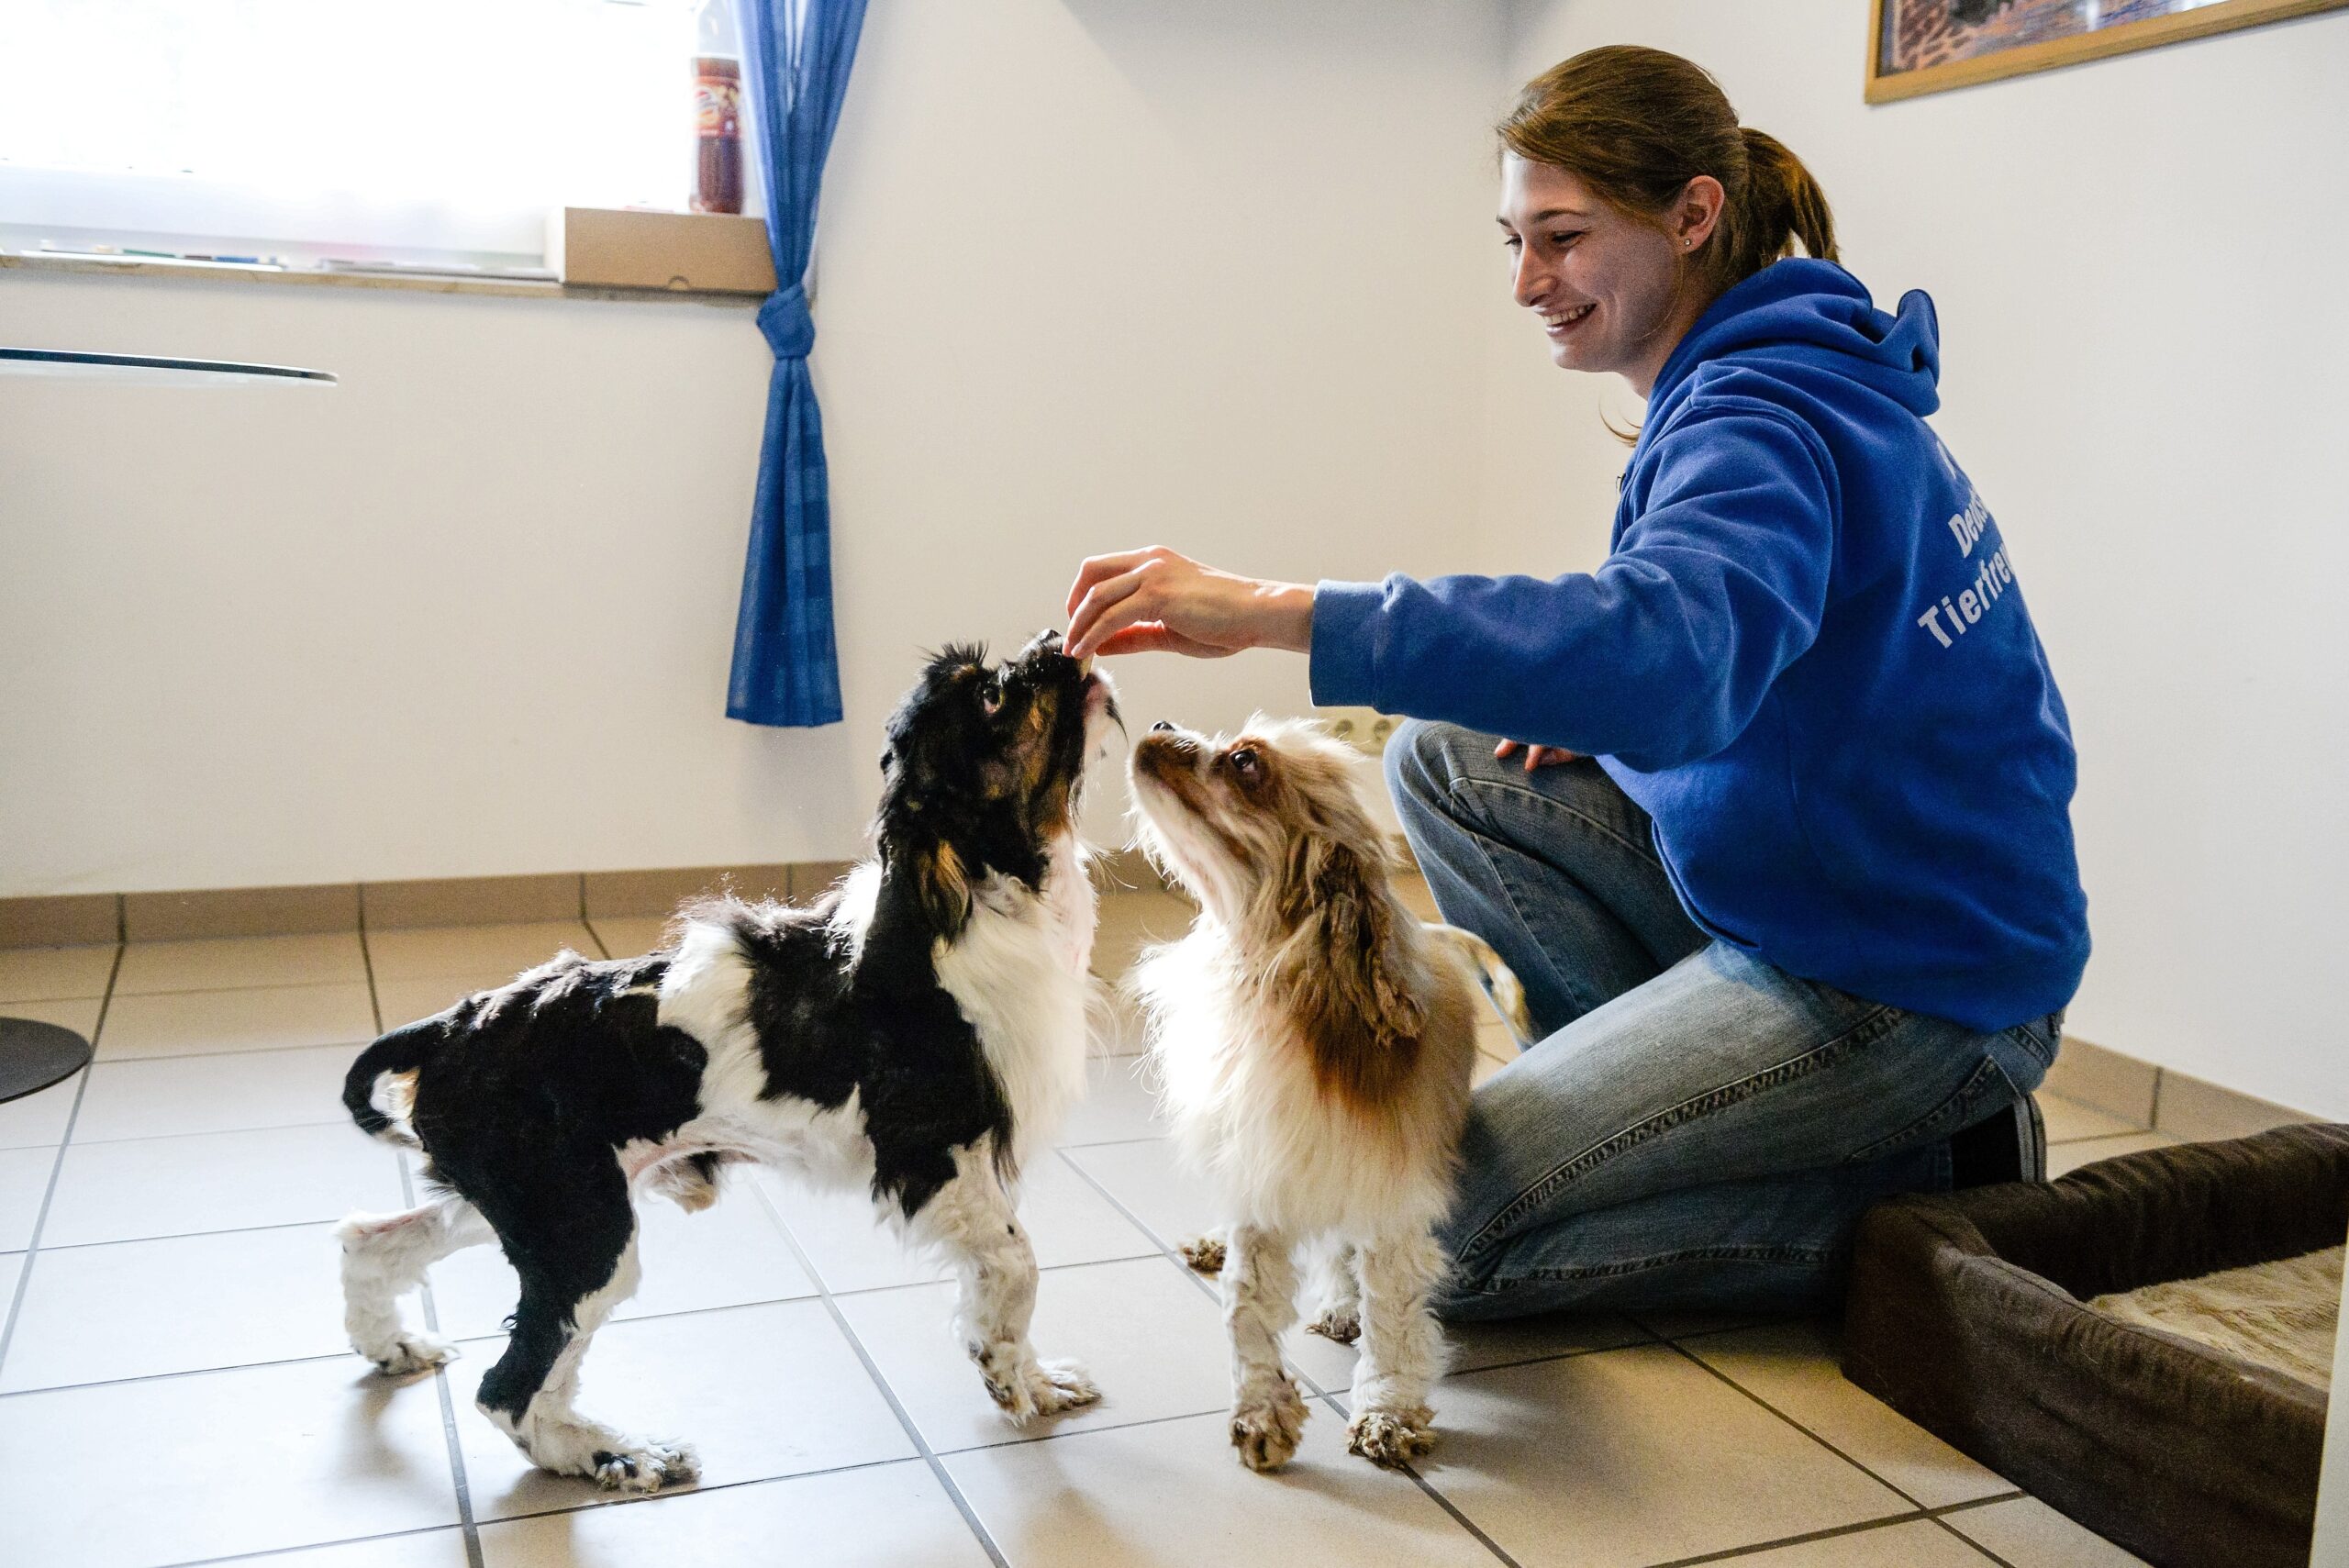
x,y
1344,975
945,885
927,880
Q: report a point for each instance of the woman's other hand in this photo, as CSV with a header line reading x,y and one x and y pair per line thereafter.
x,y
1536,756
1154,600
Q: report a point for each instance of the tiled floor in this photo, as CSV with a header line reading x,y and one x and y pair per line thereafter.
x,y
174,1387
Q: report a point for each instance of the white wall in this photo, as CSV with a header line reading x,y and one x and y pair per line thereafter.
x,y
1095,274
2136,263
1220,275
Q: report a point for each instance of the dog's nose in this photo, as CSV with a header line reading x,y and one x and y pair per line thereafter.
x,y
1164,724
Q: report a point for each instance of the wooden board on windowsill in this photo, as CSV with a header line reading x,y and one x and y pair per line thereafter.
x,y
216,271
623,248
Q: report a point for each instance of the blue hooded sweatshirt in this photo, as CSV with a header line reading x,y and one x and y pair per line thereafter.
x,y
1807,656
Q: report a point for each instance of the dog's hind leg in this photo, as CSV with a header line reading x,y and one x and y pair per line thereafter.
x,y
1402,1350
1335,1287
972,1221
577,1259
1259,1305
384,1258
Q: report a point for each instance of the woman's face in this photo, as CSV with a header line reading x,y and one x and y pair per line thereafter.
x,y
1602,282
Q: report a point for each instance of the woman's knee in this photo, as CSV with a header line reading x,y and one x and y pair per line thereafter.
x,y
1421,762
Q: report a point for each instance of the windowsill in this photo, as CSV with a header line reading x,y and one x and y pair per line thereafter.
x,y
508,288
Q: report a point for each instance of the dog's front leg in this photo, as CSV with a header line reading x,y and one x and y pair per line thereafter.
x,y
1258,1304
1402,1350
972,1219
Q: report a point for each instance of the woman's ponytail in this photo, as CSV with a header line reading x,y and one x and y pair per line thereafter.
x,y
1779,203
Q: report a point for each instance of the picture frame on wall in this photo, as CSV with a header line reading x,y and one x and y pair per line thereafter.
x,y
1929,46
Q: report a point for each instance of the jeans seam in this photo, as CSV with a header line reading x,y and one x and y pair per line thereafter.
x,y
2045,1055
1763,1254
1878,1023
1458,786
1517,913
1953,1108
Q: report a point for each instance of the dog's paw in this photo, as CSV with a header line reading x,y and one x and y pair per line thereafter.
x,y
1026,1388
1389,1437
1266,1434
1204,1254
648,1467
409,1353
1342,1324
1061,1386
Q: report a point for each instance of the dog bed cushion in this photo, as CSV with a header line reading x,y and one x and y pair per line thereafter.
x,y
2283,1315
1970,1314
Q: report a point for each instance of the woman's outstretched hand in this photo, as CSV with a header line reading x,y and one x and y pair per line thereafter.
x,y
1144,601
1536,756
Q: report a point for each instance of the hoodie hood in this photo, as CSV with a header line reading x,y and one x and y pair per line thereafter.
x,y
1813,316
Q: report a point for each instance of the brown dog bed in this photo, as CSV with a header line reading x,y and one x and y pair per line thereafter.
x,y
1969,1315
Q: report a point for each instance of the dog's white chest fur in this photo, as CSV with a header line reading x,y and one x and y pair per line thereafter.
x,y
1248,1114
1018,972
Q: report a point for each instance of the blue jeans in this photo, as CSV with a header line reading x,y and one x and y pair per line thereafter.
x,y
1692,1127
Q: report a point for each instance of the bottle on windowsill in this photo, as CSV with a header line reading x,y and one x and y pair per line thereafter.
x,y
717,110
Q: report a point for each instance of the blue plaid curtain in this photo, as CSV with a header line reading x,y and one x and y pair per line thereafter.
x,y
797,55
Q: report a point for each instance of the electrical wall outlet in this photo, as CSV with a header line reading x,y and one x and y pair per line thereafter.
x,y
1366,729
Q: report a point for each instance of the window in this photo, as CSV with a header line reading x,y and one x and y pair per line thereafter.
x,y
432,130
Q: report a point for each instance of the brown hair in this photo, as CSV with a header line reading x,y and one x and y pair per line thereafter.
x,y
1636,124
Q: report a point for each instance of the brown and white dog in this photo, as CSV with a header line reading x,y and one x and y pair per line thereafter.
x,y
1314,1043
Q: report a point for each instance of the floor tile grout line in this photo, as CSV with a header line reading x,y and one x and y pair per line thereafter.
x,y
1131,1218
181,1235
56,1169
1901,1492
1059,1436
1861,1527
1833,1532
367,961
1114,1142
1664,1338
218,1131
231,1050
2100,1137
1436,1492
1432,1494
138,994
448,1404
305,1224
1942,1524
462,1339
601,1502
1215,1295
896,1408
6,1394
267,1552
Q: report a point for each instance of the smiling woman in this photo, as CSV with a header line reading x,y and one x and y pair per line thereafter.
x,y
1651,217
1789,882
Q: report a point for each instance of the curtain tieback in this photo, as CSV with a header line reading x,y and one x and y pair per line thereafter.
x,y
790,330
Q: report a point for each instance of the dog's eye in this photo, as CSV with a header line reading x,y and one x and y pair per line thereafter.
x,y
888,758
1245,762
991,697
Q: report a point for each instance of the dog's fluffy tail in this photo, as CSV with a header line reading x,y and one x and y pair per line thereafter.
x,y
1477,953
380,1088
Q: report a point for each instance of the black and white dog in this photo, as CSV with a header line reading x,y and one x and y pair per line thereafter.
x,y
914,1033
